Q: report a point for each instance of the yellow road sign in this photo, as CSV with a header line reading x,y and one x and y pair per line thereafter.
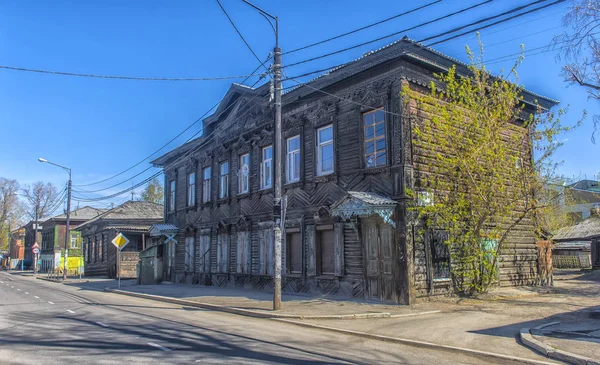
x,y
120,241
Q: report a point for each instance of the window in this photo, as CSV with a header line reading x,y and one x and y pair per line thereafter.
x,y
191,189
294,252
375,145
244,255
224,180
440,255
172,195
244,174
96,244
73,241
266,168
189,254
265,252
206,185
325,252
325,150
223,253
204,262
104,247
101,249
293,159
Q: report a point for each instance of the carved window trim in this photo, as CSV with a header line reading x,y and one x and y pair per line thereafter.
x,y
264,162
172,194
323,144
191,189
374,139
206,184
224,179
244,180
293,164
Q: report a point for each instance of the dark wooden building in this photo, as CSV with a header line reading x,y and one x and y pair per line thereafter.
x,y
133,219
348,160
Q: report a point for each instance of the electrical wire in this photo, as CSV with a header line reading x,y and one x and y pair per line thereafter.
x,y
241,35
363,28
171,140
62,73
390,35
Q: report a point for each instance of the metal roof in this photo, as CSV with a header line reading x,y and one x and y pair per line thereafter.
x,y
160,229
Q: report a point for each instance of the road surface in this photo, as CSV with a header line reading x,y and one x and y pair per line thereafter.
x,y
48,323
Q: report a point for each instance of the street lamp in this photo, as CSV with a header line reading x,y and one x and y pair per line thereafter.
x,y
68,230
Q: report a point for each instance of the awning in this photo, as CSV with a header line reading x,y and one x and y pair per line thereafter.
x,y
364,204
163,229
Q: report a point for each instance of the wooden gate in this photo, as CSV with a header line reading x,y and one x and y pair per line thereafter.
x,y
378,239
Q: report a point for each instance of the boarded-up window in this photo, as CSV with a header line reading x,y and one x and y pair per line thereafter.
x,y
244,257
204,261
440,255
189,254
326,252
294,253
223,253
96,248
265,251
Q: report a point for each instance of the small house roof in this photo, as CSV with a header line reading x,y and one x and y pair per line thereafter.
x,y
84,213
130,211
585,230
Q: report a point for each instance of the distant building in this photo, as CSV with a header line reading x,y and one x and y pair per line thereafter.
x,y
16,246
53,238
30,238
584,196
578,246
133,219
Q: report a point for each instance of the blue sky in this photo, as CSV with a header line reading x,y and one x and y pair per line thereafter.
x,y
100,127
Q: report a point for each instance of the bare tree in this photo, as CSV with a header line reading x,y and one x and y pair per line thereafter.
x,y
11,209
580,49
41,199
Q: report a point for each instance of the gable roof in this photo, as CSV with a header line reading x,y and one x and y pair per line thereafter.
x,y
403,48
85,213
130,211
587,229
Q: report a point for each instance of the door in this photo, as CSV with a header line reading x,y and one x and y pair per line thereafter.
x,y
378,239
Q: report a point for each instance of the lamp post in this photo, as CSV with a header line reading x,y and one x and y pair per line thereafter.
x,y
68,230
277,206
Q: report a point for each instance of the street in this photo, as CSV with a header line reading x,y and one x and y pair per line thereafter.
x,y
50,323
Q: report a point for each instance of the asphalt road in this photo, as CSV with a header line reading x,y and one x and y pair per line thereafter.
x,y
48,323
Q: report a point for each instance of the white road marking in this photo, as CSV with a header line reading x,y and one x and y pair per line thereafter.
x,y
70,311
26,293
159,346
36,297
18,289
102,324
50,303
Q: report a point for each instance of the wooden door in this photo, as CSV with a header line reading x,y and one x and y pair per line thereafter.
x,y
378,239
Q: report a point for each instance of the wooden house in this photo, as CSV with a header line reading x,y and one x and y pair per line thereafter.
x,y
133,219
54,231
348,162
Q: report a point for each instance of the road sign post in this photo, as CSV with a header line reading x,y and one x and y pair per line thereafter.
x,y
36,250
119,241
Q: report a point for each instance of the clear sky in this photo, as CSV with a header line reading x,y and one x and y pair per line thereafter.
x,y
99,127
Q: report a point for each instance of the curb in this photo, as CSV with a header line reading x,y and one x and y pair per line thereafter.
x,y
259,314
551,352
422,344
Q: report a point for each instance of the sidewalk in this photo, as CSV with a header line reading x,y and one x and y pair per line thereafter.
x,y
259,304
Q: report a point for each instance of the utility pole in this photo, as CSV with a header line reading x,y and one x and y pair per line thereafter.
x,y
35,233
277,206
68,228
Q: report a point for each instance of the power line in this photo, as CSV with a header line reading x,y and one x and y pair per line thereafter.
x,y
62,73
172,139
498,22
363,28
241,36
391,35
190,151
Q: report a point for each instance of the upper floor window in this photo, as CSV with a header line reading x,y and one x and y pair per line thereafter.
x,y
244,174
191,189
375,144
73,241
325,150
172,195
266,168
224,180
206,185
293,159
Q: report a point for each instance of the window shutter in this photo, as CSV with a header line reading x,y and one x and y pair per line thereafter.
x,y
261,251
226,251
247,253
339,249
311,256
240,246
270,252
